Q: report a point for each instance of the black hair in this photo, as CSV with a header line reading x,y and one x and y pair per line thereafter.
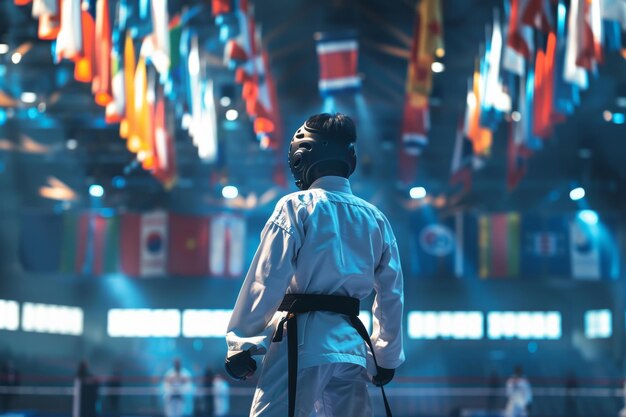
x,y
338,125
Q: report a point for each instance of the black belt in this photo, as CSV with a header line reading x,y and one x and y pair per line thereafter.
x,y
294,304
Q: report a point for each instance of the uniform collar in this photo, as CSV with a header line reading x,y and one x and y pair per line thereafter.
x,y
332,183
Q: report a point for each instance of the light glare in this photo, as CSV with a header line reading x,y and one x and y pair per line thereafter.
x,y
232,115
437,67
96,190
417,192
230,191
9,315
577,193
28,97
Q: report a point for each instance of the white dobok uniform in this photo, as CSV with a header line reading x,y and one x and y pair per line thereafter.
x,y
177,390
320,241
519,396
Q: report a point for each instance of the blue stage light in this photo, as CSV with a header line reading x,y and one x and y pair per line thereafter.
x,y
577,193
588,216
96,190
118,182
618,118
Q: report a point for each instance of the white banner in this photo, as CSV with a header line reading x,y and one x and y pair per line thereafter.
x,y
584,251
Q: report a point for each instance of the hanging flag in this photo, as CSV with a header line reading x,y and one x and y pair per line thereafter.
x,y
590,38
461,167
415,126
614,11
227,245
545,251
519,38
584,249
127,124
338,62
537,14
572,72
115,110
160,57
566,95
101,86
499,245
481,137
219,7
238,49
164,149
49,14
496,101
69,44
85,61
144,244
189,245
427,42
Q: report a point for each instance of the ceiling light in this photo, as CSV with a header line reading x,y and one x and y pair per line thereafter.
x,y
230,191
440,52
71,144
96,190
28,97
437,67
618,118
417,192
225,101
516,116
232,114
577,193
16,58
4,48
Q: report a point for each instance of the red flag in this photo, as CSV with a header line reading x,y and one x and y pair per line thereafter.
x,y
101,86
519,38
219,7
415,125
164,149
143,245
189,245
85,60
538,14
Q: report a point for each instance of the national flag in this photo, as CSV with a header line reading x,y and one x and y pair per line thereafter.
x,y
545,251
499,245
566,94
160,57
525,109
584,249
144,244
480,136
438,244
427,42
219,7
101,86
115,110
519,37
127,124
189,245
415,125
227,246
496,101
164,149
239,48
40,240
85,61
49,14
517,154
614,11
537,14
572,71
461,167
338,62
590,47
69,44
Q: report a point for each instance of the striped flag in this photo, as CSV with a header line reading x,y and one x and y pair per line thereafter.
x,y
101,86
49,14
499,245
338,63
144,244
227,245
85,61
69,44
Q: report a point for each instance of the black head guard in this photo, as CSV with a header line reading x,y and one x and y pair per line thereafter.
x,y
311,147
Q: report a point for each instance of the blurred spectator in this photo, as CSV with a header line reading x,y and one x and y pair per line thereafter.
x,y
519,394
9,378
177,391
85,392
221,391
209,398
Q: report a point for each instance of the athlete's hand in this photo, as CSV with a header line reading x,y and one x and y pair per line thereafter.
x,y
240,366
383,377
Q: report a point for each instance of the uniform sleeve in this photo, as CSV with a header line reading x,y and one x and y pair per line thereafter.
x,y
263,289
387,309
